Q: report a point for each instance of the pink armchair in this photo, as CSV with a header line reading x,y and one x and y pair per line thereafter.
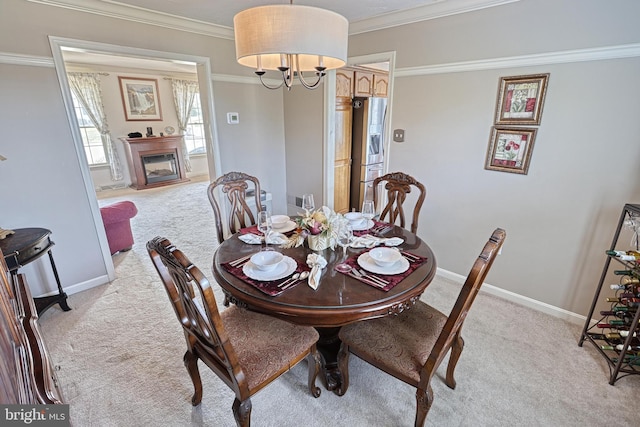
x,y
116,218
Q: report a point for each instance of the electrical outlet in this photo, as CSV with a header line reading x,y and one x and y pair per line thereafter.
x,y
398,135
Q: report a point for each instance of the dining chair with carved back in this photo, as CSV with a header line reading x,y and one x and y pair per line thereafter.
x,y
398,185
247,350
235,186
412,345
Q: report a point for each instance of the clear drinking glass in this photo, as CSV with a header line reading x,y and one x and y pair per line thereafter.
x,y
265,226
368,210
344,238
307,202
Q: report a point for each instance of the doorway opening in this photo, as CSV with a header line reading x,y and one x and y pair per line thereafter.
x,y
114,55
358,147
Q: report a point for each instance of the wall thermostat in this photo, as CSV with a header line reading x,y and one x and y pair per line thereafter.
x,y
233,118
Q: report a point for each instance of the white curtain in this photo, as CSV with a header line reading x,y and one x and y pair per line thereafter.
x,y
86,88
184,92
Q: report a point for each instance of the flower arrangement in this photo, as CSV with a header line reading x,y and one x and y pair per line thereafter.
x,y
322,223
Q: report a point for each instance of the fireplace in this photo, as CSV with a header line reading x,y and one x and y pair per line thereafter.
x,y
160,167
155,161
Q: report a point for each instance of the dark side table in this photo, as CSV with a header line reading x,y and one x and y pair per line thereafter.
x,y
26,245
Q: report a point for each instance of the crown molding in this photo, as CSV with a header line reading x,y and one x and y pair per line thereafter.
x,y
142,16
422,13
43,61
117,10
550,58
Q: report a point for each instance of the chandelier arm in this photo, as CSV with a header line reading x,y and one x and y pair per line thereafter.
x,y
267,86
320,74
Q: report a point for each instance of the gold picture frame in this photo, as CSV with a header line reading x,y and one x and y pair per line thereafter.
x,y
520,99
510,149
140,99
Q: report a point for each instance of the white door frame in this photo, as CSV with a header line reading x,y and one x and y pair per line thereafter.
x,y
206,96
329,140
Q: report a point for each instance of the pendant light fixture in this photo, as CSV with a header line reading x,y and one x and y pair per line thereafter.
x,y
291,39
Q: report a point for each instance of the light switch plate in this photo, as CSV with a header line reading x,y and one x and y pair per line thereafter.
x,y
398,135
233,118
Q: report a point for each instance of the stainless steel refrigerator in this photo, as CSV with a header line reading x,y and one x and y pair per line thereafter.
x,y
367,153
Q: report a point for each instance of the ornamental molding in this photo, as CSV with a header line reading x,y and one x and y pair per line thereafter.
x,y
549,58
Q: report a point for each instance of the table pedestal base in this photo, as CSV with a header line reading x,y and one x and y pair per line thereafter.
x,y
328,346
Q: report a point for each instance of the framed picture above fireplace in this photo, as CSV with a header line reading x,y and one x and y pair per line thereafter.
x,y
140,99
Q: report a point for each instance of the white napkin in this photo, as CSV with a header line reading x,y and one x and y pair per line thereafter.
x,y
317,263
275,238
369,241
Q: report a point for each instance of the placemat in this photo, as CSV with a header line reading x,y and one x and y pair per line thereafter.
x,y
415,261
253,229
378,228
268,287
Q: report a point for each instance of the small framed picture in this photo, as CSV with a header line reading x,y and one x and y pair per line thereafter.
x,y
510,149
140,99
520,99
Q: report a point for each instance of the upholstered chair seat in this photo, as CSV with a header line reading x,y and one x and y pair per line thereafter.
x,y
265,346
401,344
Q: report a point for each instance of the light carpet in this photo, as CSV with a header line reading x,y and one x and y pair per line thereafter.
x,y
119,353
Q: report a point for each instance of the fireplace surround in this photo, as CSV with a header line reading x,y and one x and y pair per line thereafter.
x,y
155,161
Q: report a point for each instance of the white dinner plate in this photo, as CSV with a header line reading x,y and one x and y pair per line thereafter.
x,y
287,266
364,225
365,261
287,227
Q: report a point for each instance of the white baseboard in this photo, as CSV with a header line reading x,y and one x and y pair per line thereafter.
x,y
543,307
79,287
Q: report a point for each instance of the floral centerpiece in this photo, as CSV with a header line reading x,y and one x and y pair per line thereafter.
x,y
319,228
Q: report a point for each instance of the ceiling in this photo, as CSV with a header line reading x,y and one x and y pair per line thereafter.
x,y
368,14
221,12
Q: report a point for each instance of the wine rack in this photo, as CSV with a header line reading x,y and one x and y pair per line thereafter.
x,y
622,317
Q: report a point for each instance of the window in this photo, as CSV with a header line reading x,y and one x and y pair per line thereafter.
x,y
194,135
91,140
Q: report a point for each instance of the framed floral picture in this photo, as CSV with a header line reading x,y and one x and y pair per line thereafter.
x,y
520,99
140,99
510,149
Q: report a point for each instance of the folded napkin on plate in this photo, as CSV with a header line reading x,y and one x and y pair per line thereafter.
x,y
369,241
317,263
253,239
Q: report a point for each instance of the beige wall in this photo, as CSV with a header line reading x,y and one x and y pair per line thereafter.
x,y
559,218
42,184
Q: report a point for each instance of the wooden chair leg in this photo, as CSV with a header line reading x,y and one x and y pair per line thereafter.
x,y
456,351
242,412
191,363
343,367
314,369
424,400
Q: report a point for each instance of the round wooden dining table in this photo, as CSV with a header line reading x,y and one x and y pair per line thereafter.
x,y
339,299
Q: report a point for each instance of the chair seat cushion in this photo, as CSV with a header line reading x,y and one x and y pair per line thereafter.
x,y
399,345
265,345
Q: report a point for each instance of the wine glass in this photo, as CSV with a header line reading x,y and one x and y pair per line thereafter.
x,y
368,210
307,202
265,226
344,238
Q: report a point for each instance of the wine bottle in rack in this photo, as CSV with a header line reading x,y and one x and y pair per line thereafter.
x,y
625,334
619,347
623,272
617,287
625,255
629,280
